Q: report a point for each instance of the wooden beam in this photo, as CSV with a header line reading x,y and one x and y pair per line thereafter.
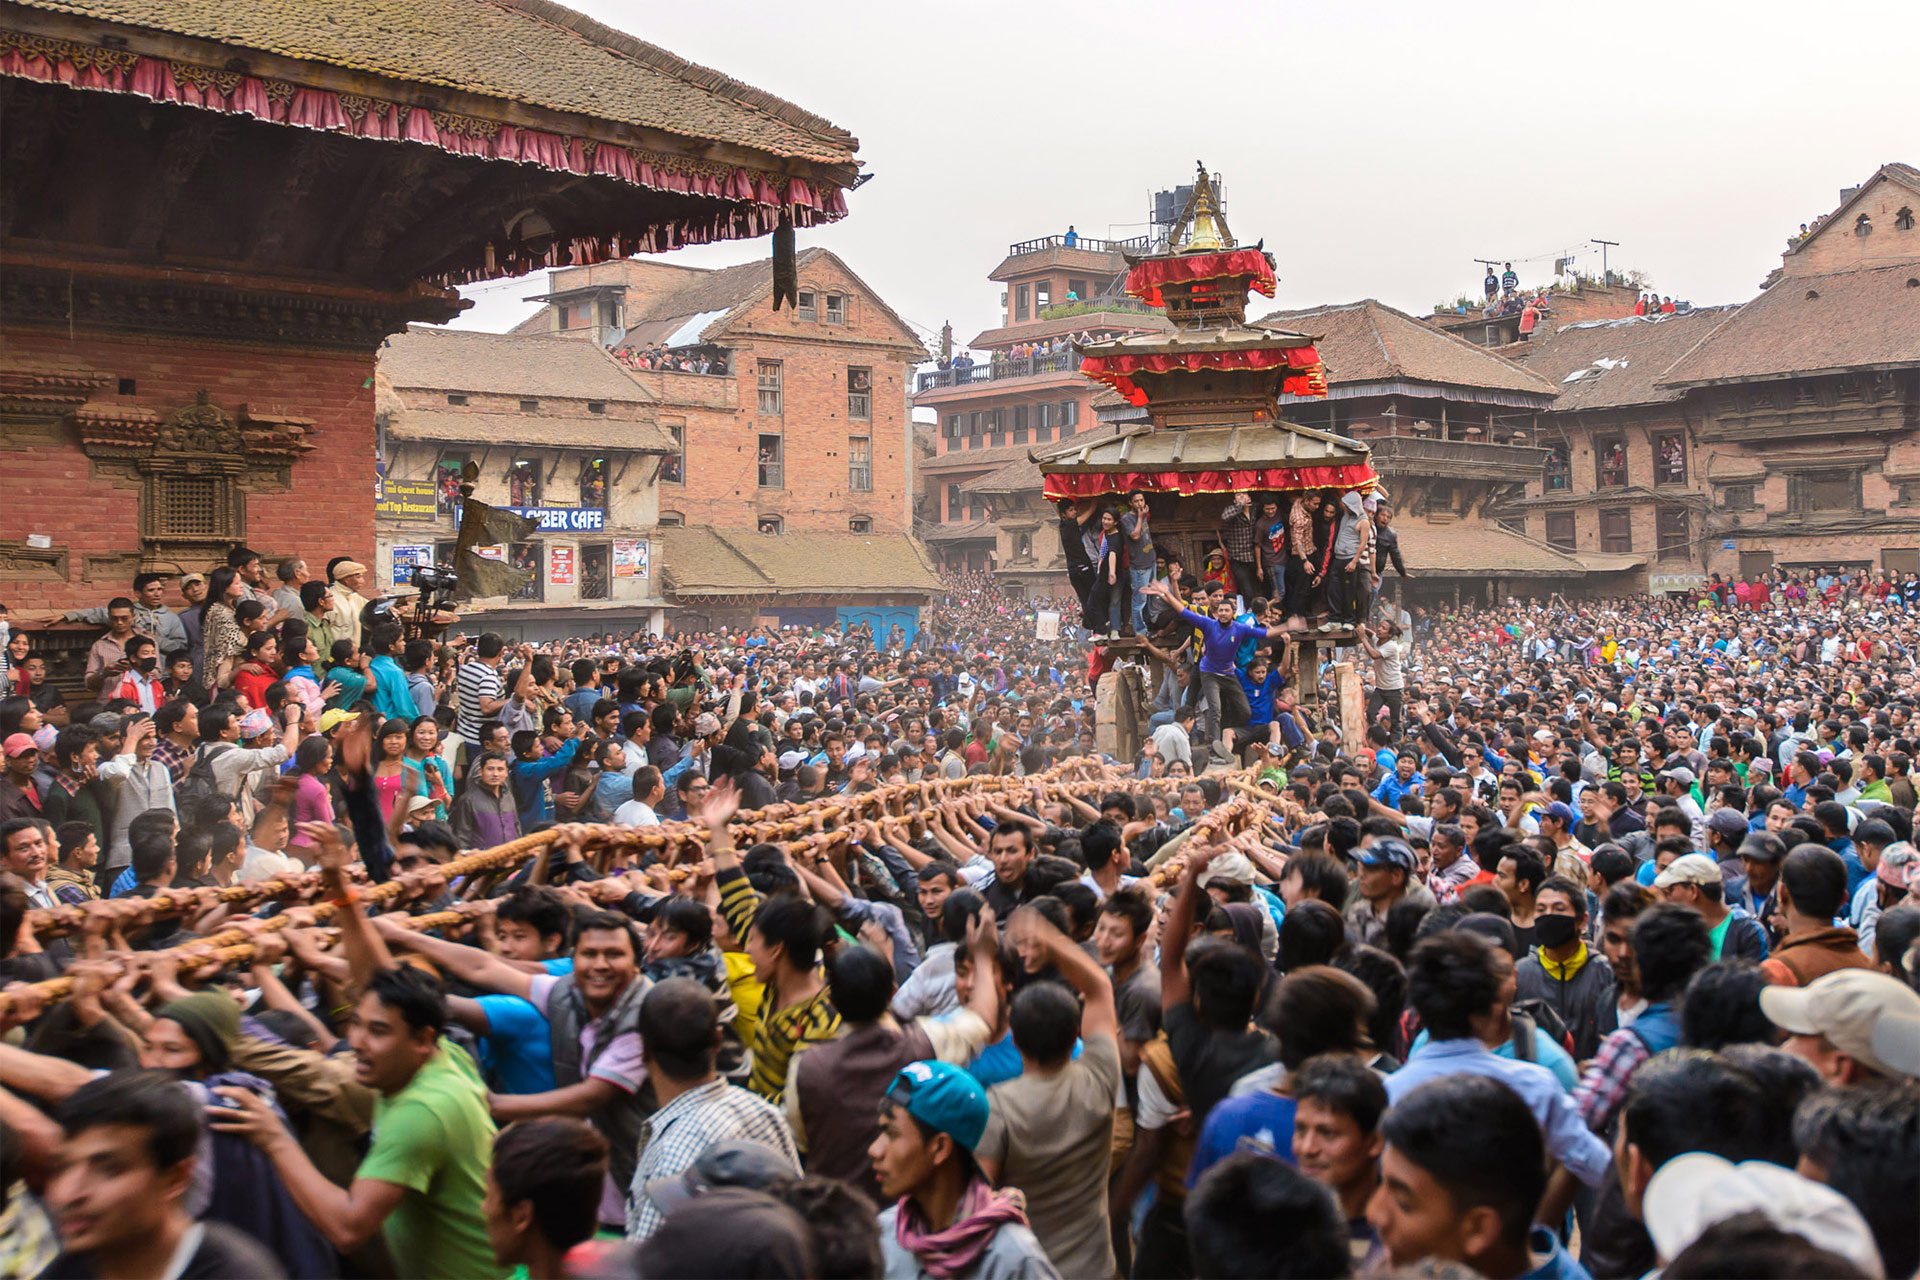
x,y
187,143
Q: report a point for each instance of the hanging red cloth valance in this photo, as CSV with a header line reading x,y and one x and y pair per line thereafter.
x,y
1144,281
1098,484
754,199
1117,371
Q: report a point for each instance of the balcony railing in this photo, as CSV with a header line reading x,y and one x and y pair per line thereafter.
x,y
1000,370
1138,244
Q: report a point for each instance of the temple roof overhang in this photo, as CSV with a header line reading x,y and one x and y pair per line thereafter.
x,y
1228,459
277,136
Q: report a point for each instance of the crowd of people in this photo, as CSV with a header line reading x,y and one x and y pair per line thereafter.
x,y
1598,957
680,360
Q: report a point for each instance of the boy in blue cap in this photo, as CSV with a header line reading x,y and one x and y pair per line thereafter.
x,y
945,1219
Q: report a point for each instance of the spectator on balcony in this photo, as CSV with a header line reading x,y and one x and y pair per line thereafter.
x,y
1072,237
1243,552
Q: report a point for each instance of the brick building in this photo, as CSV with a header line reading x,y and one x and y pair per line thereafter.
x,y
561,434
208,225
978,501
1730,440
800,422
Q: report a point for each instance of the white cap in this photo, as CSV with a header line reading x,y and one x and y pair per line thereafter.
x,y
1229,868
1694,1191
1844,1006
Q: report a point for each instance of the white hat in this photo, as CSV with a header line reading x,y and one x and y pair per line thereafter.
x,y
1844,1007
1694,1191
1690,868
1230,867
792,759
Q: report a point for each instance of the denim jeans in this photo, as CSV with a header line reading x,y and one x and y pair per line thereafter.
x,y
1142,579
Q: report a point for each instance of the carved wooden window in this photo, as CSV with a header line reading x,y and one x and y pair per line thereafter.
x,y
1736,497
189,507
1811,492
1671,532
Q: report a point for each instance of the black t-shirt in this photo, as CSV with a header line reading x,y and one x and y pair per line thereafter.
x,y
225,1253
1210,1060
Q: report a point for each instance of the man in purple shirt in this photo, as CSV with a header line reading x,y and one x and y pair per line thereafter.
x,y
1220,639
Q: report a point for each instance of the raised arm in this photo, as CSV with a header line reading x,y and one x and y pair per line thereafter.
x,y
469,964
1173,940
1097,1015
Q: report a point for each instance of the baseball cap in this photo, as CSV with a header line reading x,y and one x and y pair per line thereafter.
x,y
1763,846
1843,1007
1728,823
1690,868
735,1163
333,717
187,578
18,744
1388,851
792,759
943,1097
1694,1191
1896,1042
1228,868
1562,810
1680,774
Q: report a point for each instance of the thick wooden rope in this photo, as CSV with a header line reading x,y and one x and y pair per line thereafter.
x,y
233,946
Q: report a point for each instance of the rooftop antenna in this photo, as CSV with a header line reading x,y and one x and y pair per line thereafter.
x,y
1603,255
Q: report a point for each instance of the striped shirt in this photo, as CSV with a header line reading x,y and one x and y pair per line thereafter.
x,y
477,680
780,1032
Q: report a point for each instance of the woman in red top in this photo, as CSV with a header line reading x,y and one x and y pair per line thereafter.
x,y
260,669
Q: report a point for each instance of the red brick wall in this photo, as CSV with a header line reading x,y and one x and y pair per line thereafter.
x,y
328,512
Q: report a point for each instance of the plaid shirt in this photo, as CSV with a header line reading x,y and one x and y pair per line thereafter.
x,y
177,759
1236,533
678,1134
1604,1087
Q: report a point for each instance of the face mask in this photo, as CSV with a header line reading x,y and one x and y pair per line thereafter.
x,y
1555,931
147,664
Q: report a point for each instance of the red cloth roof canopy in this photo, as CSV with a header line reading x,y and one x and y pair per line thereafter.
x,y
1144,281
1117,371
1097,484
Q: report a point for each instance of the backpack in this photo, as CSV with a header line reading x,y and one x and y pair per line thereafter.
x,y
1538,1015
200,782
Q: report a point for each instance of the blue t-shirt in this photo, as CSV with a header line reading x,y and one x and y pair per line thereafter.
x,y
392,699
999,1062
517,1051
1220,642
1259,1122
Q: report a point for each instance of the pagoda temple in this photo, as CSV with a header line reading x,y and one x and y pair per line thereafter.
x,y
1210,387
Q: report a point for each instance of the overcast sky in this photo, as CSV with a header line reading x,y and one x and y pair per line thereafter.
x,y
1377,148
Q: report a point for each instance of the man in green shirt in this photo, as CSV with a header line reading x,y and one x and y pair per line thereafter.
x,y
424,1181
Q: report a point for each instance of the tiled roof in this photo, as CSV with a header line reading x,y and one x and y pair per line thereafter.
x,y
1813,324
425,357
983,459
571,431
1463,550
521,51
1020,476
707,562
1368,341
963,531
1067,326
653,312
1203,449
1605,364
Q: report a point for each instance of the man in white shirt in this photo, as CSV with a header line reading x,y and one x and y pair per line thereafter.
x,y
648,791
1389,654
